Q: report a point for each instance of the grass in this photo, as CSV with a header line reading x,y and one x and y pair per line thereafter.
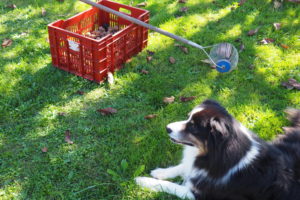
x,y
109,151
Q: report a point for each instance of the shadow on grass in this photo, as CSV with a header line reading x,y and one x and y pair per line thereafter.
x,y
102,142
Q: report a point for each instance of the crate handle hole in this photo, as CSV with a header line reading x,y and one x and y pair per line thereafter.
x,y
123,10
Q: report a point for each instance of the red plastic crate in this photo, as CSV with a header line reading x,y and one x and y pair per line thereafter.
x,y
92,59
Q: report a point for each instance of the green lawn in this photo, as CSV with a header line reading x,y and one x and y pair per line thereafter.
x,y
109,151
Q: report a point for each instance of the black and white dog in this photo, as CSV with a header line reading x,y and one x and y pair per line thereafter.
x,y
223,160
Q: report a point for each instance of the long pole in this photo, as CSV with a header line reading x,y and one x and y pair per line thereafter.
x,y
149,26
136,21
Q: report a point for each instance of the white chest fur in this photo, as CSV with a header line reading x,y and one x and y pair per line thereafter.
x,y
189,156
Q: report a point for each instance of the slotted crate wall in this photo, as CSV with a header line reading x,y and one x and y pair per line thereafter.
x,y
92,59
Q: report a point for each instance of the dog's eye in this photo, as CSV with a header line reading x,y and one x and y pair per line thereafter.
x,y
192,122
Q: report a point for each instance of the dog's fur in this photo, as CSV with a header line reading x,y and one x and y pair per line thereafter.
x,y
223,160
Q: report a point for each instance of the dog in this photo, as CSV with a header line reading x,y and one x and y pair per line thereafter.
x,y
223,160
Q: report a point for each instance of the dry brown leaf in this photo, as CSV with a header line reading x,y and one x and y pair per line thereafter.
x,y
277,4
68,137
242,2
287,85
238,40
61,114
277,26
294,83
185,99
182,1
143,4
44,149
13,6
44,12
107,111
184,49
6,43
294,1
80,92
267,41
251,66
252,32
143,71
242,47
151,116
172,60
150,53
149,58
291,84
169,99
284,46
184,9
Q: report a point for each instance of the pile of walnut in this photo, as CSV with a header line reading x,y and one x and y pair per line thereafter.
x,y
102,32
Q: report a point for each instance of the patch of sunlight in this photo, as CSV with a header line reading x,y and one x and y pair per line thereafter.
x,y
251,18
225,94
12,191
194,22
21,14
233,32
254,113
269,53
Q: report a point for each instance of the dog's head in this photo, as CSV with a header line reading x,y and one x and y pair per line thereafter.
x,y
207,123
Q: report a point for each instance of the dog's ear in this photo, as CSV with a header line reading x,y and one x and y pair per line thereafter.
x,y
218,126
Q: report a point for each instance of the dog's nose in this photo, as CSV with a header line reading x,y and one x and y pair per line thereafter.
x,y
169,130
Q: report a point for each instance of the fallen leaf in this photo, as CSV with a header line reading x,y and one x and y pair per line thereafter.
x,y
44,149
184,9
110,78
143,4
182,1
294,1
13,6
186,99
184,49
6,43
169,99
44,12
107,111
267,41
251,66
242,47
253,32
143,71
284,46
151,116
238,40
80,92
172,60
242,2
277,26
294,83
277,4
291,84
150,53
149,58
61,114
68,137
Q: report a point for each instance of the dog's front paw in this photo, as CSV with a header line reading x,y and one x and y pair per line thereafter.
x,y
159,173
146,182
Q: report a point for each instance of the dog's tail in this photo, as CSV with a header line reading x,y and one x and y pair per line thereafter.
x,y
294,116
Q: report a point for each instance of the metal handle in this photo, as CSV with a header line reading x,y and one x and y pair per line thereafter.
x,y
136,21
